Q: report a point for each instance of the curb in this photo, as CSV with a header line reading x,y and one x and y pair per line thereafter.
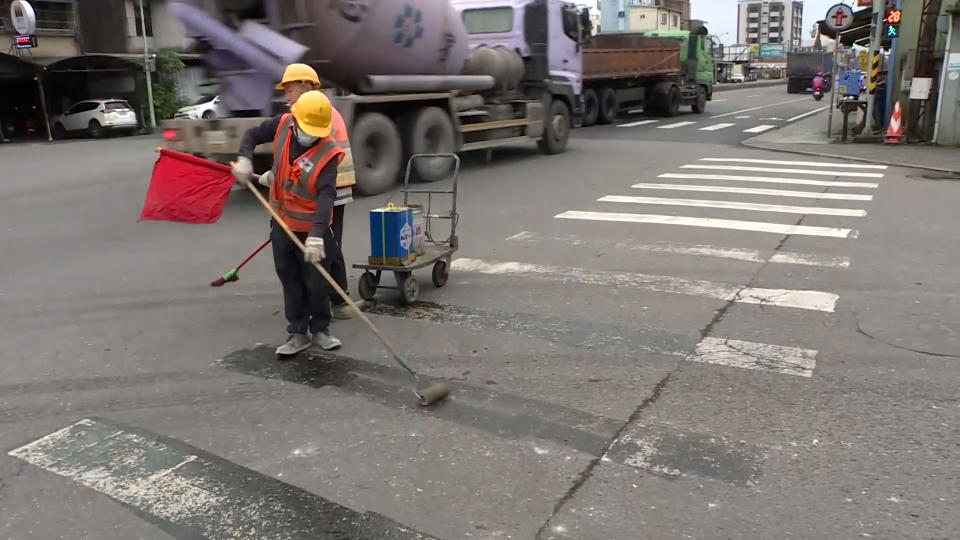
x,y
765,84
773,147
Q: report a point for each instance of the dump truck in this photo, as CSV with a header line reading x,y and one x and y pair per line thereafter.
x,y
803,66
656,71
408,77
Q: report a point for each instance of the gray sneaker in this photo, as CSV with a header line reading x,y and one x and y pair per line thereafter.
x,y
297,343
326,342
341,312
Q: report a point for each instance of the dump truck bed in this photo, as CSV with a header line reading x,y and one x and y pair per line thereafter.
x,y
626,55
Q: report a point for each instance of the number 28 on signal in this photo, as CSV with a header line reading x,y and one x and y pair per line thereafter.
x,y
893,16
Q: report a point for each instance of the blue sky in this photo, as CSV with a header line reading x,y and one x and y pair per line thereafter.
x,y
721,15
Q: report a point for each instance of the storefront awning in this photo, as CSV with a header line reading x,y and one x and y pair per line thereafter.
x,y
13,67
857,34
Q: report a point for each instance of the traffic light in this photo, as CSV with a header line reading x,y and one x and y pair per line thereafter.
x,y
892,21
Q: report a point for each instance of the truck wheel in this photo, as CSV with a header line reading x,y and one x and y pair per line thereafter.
x,y
672,106
700,105
377,151
608,106
591,107
431,131
556,128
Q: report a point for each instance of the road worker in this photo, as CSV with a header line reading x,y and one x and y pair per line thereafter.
x,y
297,79
302,190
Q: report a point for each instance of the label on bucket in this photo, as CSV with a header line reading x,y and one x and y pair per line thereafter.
x,y
406,237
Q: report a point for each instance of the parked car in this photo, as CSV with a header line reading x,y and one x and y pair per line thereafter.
x,y
96,117
206,108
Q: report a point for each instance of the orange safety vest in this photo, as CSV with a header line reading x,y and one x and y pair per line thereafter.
x,y
345,172
294,191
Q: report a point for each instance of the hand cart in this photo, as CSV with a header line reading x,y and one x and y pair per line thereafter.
x,y
436,252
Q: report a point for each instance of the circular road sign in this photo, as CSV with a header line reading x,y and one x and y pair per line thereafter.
x,y
23,17
839,17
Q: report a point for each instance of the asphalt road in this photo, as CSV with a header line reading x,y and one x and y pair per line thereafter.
x,y
688,357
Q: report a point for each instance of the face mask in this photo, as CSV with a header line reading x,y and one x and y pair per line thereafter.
x,y
304,139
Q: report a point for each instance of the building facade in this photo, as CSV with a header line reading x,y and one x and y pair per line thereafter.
x,y
644,15
774,22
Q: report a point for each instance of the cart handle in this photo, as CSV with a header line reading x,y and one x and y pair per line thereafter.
x,y
456,166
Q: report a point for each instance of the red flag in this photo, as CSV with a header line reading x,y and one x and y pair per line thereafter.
x,y
186,189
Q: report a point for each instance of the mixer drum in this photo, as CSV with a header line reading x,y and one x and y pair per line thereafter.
x,y
353,38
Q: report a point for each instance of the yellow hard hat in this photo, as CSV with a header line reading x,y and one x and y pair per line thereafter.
x,y
312,112
298,72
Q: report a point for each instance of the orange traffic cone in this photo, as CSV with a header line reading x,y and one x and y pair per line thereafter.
x,y
895,129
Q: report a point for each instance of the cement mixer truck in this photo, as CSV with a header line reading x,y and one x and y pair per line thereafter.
x,y
408,76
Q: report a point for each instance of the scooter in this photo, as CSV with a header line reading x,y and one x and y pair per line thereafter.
x,y
818,94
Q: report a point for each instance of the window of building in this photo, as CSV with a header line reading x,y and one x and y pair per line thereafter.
x,y
663,19
147,19
676,20
488,20
54,15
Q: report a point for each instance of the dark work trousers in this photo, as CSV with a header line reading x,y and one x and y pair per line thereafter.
x,y
338,267
306,295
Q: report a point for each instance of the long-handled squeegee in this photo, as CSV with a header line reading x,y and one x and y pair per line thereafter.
x,y
427,396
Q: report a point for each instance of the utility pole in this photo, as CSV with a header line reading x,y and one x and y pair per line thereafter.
x,y
146,69
876,41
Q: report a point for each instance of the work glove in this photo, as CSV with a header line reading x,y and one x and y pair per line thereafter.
x,y
243,169
314,252
266,179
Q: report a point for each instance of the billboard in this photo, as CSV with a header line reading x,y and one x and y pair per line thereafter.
x,y
773,51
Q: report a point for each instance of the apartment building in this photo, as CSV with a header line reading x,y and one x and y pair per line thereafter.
x,y
774,22
644,15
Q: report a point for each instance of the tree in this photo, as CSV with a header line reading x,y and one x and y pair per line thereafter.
x,y
166,101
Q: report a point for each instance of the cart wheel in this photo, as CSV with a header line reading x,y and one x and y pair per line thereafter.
x,y
367,286
440,273
409,288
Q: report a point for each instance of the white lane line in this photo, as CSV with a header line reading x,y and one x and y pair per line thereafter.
x,y
798,299
757,108
716,127
799,163
757,191
736,205
718,100
804,115
759,129
756,356
711,223
637,123
785,171
773,180
744,117
697,250
753,95
674,126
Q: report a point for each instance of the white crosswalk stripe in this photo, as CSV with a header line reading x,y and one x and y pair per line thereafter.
x,y
799,163
677,125
755,191
785,171
786,298
770,180
637,123
734,205
716,127
756,356
712,223
759,129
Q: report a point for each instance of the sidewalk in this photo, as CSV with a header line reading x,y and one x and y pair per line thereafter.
x,y
809,136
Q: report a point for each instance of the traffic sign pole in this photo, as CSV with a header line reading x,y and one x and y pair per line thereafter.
x,y
876,40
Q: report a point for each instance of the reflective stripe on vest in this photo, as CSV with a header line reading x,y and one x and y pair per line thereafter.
x,y
294,190
344,196
345,172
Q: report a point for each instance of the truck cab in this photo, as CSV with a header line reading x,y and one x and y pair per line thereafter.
x,y
696,56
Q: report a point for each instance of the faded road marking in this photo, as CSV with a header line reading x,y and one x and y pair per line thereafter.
x,y
798,299
740,254
711,223
819,195
799,163
756,356
806,114
785,171
773,180
676,125
736,205
716,127
671,453
192,493
757,108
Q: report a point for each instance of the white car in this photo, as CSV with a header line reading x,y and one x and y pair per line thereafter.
x,y
206,108
96,117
